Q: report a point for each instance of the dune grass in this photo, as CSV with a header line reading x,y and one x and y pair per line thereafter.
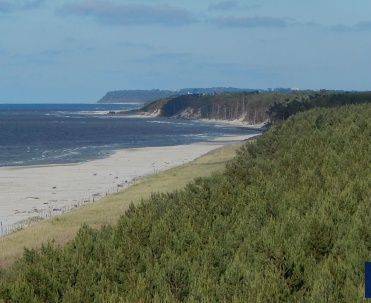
x,y
107,210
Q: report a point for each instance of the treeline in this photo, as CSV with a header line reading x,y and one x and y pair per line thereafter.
x,y
287,222
251,107
143,96
281,110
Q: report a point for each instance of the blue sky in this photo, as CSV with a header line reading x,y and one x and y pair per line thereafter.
x,y
76,51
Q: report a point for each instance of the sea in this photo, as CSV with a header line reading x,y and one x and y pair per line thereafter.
x,y
43,134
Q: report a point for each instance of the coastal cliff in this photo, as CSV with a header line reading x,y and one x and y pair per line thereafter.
x,y
248,107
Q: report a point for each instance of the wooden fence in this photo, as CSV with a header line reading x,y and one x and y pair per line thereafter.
x,y
6,229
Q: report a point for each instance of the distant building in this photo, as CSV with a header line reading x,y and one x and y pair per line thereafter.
x,y
295,88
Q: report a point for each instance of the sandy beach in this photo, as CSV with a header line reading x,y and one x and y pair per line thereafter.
x,y
31,191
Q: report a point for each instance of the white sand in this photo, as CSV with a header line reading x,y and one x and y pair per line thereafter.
x,y
30,191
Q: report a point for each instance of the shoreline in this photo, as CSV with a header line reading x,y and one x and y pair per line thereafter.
x,y
29,192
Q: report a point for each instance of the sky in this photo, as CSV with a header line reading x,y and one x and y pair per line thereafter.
x,y
69,51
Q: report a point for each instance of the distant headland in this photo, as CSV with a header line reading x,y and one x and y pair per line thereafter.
x,y
144,96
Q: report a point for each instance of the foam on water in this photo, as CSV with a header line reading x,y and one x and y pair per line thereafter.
x,y
64,133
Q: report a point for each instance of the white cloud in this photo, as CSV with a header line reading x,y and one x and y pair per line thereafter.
x,y
250,22
230,5
110,13
364,25
31,4
360,26
223,5
11,6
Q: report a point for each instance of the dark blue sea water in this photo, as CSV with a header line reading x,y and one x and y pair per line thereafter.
x,y
35,134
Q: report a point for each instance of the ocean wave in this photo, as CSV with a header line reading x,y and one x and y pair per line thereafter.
x,y
174,122
160,122
76,133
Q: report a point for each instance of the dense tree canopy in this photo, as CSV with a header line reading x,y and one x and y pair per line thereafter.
x,y
281,110
287,222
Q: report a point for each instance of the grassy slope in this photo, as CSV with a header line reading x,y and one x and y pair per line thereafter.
x,y
109,209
